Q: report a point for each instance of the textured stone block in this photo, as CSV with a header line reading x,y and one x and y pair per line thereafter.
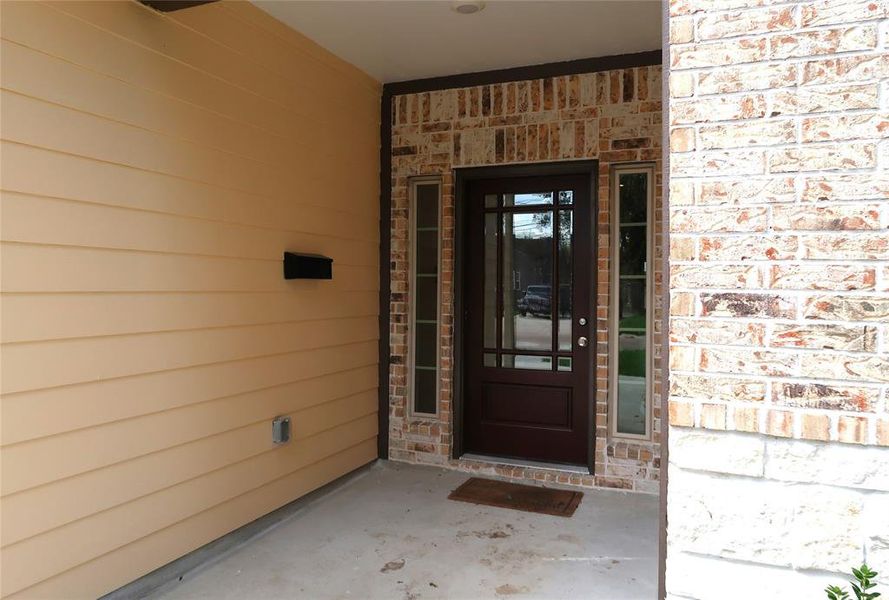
x,y
682,414
746,78
747,134
697,577
845,127
730,304
847,308
818,276
718,162
848,367
866,468
708,451
779,423
745,22
682,248
702,110
883,431
682,304
748,362
857,338
846,69
714,416
745,418
749,247
730,333
823,41
747,191
829,218
825,396
713,276
682,30
824,99
814,427
838,188
716,387
831,12
711,220
818,157
858,246
717,53
766,522
852,430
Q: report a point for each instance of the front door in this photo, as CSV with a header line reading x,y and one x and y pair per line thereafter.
x,y
529,321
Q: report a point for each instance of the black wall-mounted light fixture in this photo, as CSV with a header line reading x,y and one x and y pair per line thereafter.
x,y
307,266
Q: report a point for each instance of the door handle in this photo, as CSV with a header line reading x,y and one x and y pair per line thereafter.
x,y
582,342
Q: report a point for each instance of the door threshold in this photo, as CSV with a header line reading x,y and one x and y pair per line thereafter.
x,y
515,462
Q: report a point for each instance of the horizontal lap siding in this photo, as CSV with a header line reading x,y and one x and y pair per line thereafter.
x,y
155,167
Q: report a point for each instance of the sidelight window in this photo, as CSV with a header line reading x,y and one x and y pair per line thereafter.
x,y
631,301
425,211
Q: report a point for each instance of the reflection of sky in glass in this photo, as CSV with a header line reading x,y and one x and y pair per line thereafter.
x,y
527,199
532,225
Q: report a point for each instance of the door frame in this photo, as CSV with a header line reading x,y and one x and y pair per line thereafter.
x,y
462,178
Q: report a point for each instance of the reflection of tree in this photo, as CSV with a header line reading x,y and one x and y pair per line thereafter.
x,y
633,197
540,255
543,221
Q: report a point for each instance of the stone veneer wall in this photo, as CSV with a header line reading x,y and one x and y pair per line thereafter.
x,y
779,272
614,116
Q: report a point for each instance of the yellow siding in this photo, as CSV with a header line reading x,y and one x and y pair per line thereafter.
x,y
154,169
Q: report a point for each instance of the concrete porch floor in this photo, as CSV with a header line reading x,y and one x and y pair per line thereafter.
x,y
391,533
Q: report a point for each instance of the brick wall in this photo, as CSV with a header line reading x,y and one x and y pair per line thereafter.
x,y
779,312
614,116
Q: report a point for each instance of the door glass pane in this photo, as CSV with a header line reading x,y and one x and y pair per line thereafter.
x,y
566,232
533,363
527,281
490,200
426,307
490,291
427,205
632,304
566,197
527,199
427,251
633,250
631,383
490,359
425,390
426,345
564,363
633,197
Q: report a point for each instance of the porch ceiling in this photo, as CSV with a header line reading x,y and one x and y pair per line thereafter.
x,y
397,40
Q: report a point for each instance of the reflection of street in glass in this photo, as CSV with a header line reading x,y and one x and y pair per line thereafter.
x,y
631,404
536,332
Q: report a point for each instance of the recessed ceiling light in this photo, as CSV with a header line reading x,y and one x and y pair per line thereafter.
x,y
467,7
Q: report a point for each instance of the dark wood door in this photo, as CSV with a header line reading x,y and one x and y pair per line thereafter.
x,y
529,320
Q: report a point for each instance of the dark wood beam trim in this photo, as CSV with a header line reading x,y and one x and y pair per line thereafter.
x,y
173,5
556,69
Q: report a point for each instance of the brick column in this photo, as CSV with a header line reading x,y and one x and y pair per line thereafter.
x,y
779,273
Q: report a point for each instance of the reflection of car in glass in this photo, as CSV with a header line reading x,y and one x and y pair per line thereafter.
x,y
537,300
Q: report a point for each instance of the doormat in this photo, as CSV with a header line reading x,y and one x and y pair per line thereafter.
x,y
529,498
